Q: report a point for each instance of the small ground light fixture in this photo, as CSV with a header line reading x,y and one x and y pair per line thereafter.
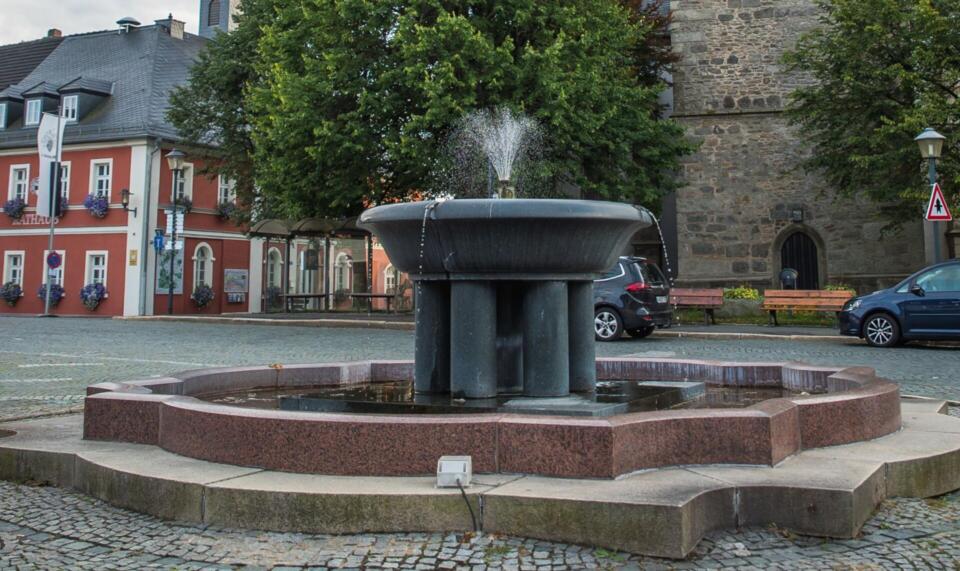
x,y
454,471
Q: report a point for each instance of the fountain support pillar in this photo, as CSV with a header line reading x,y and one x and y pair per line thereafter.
x,y
546,340
473,338
432,352
583,349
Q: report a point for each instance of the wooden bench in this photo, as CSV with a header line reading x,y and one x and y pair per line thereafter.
x,y
387,297
705,299
803,300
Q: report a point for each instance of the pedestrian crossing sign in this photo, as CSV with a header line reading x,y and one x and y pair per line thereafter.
x,y
937,209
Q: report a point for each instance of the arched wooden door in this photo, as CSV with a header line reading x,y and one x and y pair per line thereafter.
x,y
799,252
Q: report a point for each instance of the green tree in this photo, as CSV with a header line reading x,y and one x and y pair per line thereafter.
x,y
349,102
882,70
211,112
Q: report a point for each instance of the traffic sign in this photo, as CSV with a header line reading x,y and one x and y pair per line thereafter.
x,y
178,245
158,241
169,214
54,260
937,209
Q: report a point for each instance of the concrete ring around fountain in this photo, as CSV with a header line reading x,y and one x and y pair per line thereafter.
x,y
817,465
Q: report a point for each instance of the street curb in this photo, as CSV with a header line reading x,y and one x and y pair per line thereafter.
x,y
338,323
748,336
409,326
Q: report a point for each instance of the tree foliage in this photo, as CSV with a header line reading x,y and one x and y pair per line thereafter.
x,y
882,71
348,102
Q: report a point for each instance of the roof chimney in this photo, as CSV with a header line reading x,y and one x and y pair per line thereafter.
x,y
173,27
126,23
54,33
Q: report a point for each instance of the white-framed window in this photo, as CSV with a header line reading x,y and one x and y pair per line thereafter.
x,y
57,273
101,177
65,179
389,280
19,182
225,190
274,267
96,270
34,109
3,115
13,267
202,265
184,184
69,106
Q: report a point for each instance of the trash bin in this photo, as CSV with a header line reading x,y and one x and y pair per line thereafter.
x,y
788,278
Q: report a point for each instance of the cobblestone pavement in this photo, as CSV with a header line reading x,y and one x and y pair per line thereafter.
x,y
49,528
45,364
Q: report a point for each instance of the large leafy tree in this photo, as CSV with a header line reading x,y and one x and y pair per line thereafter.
x,y
882,71
349,102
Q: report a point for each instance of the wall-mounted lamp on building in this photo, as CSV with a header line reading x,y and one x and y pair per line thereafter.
x,y
125,195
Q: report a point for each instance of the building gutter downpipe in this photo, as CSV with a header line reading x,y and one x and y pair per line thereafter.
x,y
145,240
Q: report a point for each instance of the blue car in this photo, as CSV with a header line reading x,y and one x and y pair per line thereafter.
x,y
924,306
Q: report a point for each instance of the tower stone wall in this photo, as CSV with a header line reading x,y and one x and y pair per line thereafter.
x,y
217,15
744,191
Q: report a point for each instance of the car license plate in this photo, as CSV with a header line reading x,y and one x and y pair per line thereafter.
x,y
661,299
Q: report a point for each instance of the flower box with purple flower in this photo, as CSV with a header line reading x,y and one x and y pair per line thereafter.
x,y
92,294
11,292
96,205
56,293
14,208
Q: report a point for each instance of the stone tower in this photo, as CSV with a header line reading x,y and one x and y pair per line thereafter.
x,y
217,15
746,211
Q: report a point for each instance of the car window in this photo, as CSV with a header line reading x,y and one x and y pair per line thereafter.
x,y
650,274
613,272
946,278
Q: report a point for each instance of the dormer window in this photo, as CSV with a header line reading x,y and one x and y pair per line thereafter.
x,y
68,107
3,115
32,117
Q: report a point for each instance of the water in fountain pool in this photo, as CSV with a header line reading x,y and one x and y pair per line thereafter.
x,y
611,397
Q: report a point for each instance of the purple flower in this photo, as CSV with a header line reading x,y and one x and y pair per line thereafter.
x,y
56,293
97,205
92,295
14,208
202,295
11,292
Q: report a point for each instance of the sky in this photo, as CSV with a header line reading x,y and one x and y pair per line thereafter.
x,y
22,20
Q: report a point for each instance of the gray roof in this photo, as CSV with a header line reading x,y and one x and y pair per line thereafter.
x,y
141,67
88,85
18,60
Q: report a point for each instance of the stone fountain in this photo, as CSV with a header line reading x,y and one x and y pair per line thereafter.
x,y
504,288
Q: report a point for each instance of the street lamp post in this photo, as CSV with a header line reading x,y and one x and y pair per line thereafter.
x,y
175,162
931,147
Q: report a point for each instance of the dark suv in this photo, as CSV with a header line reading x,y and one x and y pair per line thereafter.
x,y
633,296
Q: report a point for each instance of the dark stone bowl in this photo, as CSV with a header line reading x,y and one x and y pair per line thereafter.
x,y
506,238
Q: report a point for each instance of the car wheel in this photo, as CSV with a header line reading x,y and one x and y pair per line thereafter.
x,y
641,332
607,324
881,330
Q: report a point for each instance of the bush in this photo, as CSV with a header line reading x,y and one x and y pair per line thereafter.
x,y
741,292
14,208
11,292
56,293
202,295
92,294
841,287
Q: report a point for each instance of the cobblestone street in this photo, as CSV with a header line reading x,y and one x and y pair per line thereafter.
x,y
45,365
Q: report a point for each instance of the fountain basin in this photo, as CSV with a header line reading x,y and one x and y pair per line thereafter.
x,y
517,239
857,406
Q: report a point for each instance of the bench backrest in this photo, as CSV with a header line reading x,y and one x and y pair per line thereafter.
x,y
806,299
696,297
